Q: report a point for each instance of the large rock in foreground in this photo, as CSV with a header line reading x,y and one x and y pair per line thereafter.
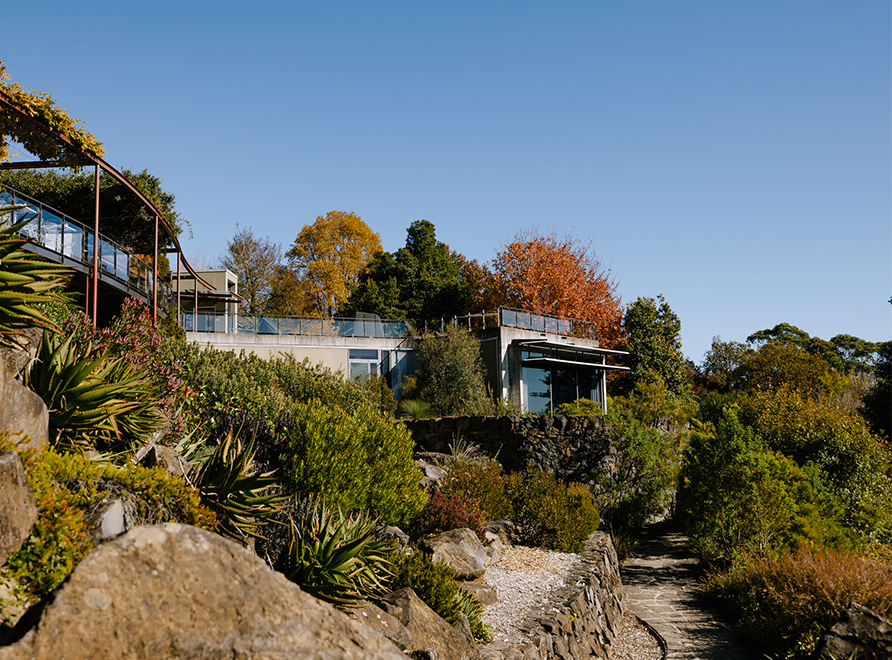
x,y
18,511
428,630
858,628
173,591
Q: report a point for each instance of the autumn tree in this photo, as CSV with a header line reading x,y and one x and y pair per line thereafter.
x,y
327,257
555,275
653,339
422,281
255,261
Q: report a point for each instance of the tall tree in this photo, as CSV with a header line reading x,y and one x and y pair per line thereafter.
x,y
328,256
422,281
556,275
653,339
255,261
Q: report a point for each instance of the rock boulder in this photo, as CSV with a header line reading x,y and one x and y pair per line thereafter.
x,y
18,511
428,629
460,549
172,591
22,412
858,628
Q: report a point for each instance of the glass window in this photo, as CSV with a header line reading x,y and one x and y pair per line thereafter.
x,y
363,354
359,370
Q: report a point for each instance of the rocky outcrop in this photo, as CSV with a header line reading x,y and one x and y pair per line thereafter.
x,y
22,412
173,591
167,458
859,629
459,549
18,511
427,629
383,623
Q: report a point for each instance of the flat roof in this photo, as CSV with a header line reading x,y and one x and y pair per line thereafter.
x,y
572,363
559,346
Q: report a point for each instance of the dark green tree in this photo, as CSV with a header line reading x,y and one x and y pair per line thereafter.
x,y
422,281
877,406
843,353
654,343
450,373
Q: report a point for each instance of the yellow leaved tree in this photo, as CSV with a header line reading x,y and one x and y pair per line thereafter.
x,y
327,257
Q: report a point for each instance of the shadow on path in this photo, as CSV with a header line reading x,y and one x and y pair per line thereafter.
x,y
660,582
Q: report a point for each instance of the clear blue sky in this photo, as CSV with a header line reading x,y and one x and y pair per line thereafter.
x,y
733,156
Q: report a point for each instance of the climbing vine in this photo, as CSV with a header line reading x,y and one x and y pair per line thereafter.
x,y
37,140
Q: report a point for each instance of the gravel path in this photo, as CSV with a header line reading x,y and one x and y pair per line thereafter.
x,y
526,577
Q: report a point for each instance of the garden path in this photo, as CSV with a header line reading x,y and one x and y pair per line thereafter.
x,y
660,583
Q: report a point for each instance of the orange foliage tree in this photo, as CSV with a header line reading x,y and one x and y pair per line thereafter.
x,y
555,275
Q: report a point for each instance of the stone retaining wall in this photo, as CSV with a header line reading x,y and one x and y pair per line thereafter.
x,y
573,446
580,620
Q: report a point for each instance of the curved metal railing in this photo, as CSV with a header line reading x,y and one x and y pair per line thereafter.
x,y
66,238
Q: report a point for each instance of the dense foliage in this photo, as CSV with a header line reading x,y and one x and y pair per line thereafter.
x,y
653,340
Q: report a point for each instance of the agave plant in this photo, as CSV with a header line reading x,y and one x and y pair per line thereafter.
x,y
334,557
91,398
232,490
25,280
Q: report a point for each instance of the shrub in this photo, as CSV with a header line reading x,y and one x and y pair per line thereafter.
x,y
356,460
333,557
553,514
638,483
241,498
450,373
484,482
436,585
585,407
737,497
857,465
444,512
787,601
66,486
91,397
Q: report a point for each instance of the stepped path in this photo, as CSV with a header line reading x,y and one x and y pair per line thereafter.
x,y
660,582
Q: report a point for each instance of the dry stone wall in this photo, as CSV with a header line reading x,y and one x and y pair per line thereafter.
x,y
580,620
572,446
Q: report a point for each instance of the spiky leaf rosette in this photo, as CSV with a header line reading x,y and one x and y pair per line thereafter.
x,y
232,490
334,557
91,398
25,279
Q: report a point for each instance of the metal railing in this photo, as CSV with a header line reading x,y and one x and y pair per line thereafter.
x,y
293,325
518,318
67,237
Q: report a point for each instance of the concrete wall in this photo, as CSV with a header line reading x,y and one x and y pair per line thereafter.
x,y
330,352
571,446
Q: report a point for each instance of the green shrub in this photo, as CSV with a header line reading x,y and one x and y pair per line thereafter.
x,y
66,487
638,484
483,481
857,465
450,373
436,585
356,460
333,557
585,407
553,514
787,601
737,497
444,512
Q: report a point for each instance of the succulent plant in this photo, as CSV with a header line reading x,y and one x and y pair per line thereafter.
x,y
334,557
26,279
240,497
91,398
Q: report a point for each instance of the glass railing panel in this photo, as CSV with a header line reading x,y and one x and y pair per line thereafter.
x,y
31,230
289,326
51,231
267,326
73,241
247,325
122,265
88,249
106,255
